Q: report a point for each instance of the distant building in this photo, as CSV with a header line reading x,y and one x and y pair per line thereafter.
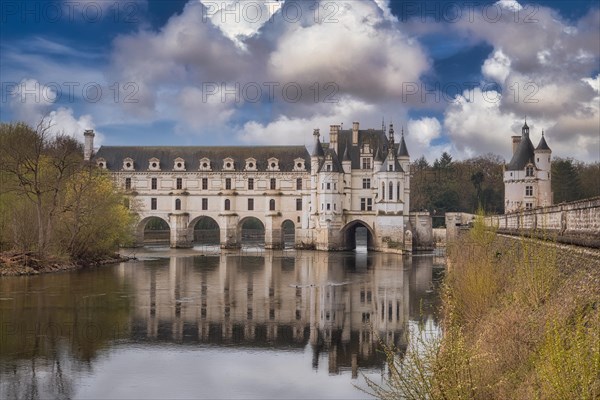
x,y
361,178
527,177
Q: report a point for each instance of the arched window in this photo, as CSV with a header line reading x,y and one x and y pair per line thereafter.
x,y
227,205
272,205
178,204
398,194
382,190
391,192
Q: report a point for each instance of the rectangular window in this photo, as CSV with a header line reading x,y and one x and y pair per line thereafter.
x,y
363,204
205,204
298,204
328,186
153,203
390,167
328,206
369,204
273,183
366,163
328,167
204,183
154,183
250,183
366,183
528,190
127,183
227,183
250,204
528,206
299,184
179,183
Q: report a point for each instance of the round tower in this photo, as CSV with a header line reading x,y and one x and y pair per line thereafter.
x,y
543,162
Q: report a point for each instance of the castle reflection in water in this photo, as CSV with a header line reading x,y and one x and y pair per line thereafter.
x,y
342,304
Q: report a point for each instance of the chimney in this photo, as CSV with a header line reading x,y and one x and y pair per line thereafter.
x,y
88,146
355,134
516,140
333,137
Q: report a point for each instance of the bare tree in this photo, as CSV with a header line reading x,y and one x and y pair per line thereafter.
x,y
38,166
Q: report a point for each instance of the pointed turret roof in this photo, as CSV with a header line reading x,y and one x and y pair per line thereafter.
x,y
542,145
377,155
402,149
397,166
336,166
318,150
523,155
346,156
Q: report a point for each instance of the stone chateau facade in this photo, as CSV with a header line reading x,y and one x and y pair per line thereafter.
x,y
361,178
527,177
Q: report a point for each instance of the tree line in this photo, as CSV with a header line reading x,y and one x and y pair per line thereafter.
x,y
477,183
52,202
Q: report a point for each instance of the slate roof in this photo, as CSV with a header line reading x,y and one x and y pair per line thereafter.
x,y
376,138
523,155
318,150
114,156
336,166
543,145
397,166
402,149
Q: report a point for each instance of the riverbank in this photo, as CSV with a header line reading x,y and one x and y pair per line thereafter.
x,y
525,317
521,320
17,264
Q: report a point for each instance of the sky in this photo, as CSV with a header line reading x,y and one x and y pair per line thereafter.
x,y
457,76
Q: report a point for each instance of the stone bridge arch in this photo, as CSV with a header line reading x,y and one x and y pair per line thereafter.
x,y
251,231
205,230
348,233
159,236
288,233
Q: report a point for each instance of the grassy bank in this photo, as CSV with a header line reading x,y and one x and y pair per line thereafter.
x,y
521,321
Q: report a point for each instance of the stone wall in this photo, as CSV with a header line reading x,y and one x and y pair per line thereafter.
x,y
576,222
422,231
457,222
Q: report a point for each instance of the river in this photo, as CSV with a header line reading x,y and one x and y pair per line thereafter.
x,y
201,324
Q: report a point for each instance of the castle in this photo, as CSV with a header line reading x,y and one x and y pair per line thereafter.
x,y
360,179
527,176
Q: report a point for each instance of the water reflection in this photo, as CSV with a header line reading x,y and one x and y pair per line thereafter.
x,y
327,311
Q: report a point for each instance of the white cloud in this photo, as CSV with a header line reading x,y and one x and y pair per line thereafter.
x,y
32,101
374,64
511,5
425,130
496,67
299,130
239,20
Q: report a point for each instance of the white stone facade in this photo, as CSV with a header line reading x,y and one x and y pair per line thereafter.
x,y
361,178
527,178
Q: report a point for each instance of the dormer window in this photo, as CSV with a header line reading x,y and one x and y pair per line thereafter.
x,y
390,167
179,164
250,164
273,164
529,171
228,164
101,162
328,167
299,164
128,164
204,164
154,164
